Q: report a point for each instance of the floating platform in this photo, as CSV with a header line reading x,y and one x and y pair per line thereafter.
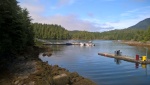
x,y
125,58
81,44
61,44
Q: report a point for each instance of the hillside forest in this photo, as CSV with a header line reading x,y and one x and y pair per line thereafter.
x,y
57,32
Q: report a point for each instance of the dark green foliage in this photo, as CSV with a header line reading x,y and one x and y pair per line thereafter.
x,y
127,34
147,35
84,35
15,28
120,34
47,31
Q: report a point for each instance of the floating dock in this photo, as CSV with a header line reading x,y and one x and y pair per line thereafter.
x,y
61,44
81,44
125,58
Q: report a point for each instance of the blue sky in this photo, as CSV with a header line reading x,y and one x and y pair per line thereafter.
x,y
89,15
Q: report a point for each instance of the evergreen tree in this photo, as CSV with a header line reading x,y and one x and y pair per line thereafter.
x,y
54,32
15,28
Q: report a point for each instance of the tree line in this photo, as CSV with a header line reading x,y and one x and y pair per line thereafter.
x,y
16,33
57,32
84,35
127,34
50,31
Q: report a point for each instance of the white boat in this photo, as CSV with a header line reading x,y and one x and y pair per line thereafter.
x,y
82,44
87,44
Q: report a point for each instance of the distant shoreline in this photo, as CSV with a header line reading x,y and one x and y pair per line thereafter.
x,y
136,43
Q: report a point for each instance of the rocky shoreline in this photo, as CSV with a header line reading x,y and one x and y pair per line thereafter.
x,y
29,70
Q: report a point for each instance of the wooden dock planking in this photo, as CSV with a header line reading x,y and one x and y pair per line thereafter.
x,y
125,58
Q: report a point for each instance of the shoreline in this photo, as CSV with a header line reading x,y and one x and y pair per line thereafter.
x,y
30,70
136,43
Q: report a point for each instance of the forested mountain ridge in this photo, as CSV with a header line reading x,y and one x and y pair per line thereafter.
x,y
138,32
57,32
144,24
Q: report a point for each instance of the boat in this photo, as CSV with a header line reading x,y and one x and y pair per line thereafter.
x,y
87,44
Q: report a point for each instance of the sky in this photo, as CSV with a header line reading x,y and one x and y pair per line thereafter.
x,y
88,15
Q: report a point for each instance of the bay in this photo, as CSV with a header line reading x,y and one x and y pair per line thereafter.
x,y
102,70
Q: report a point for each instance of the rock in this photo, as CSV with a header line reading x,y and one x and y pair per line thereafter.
x,y
47,54
59,76
16,82
74,75
32,83
55,66
20,83
61,79
73,80
44,54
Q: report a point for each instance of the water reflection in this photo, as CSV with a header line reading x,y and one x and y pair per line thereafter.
x,y
118,61
136,65
56,47
144,66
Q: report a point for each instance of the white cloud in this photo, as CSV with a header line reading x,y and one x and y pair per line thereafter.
x,y
33,8
129,13
131,18
122,24
136,12
127,19
98,23
127,23
71,22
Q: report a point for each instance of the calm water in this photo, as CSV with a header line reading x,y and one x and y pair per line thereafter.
x,y
100,69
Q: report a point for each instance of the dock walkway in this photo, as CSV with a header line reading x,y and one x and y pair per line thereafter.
x,y
125,58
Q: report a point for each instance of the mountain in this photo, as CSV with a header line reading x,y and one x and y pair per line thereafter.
x,y
144,24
